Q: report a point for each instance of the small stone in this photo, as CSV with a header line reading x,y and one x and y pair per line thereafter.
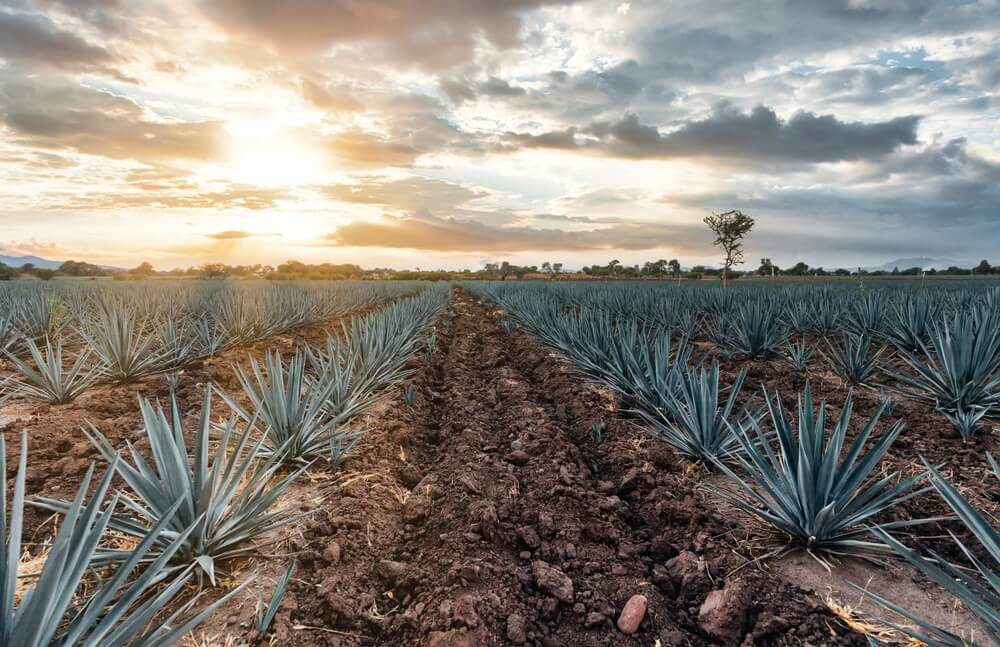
x,y
632,614
456,638
416,509
470,571
661,578
529,536
724,612
689,573
392,571
593,619
630,481
332,552
517,457
516,628
553,581
410,475
461,611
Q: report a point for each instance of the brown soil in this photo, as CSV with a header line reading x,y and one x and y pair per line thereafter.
x,y
488,515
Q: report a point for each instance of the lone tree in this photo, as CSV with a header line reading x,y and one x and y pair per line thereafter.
x,y
729,229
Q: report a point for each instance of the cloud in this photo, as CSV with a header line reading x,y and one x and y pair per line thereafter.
x,y
940,198
727,133
35,39
334,98
459,90
406,194
68,116
424,231
164,194
359,149
31,247
431,33
108,16
236,234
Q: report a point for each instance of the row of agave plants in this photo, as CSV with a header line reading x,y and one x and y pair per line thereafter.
x,y
797,474
189,510
940,346
61,340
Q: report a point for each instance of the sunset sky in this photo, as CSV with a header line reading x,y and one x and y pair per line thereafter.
x,y
450,133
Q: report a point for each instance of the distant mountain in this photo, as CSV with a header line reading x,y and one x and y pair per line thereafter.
x,y
923,262
42,263
18,261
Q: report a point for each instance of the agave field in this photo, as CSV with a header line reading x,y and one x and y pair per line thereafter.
x,y
500,463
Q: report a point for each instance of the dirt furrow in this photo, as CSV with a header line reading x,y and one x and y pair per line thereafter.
x,y
512,505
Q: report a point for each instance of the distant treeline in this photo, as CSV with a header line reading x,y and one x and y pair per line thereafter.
x,y
296,270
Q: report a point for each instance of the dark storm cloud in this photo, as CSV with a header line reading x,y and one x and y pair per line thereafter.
x,y
431,33
731,134
424,231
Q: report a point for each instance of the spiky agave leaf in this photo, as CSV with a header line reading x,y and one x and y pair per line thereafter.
x,y
45,378
694,423
852,360
908,327
966,421
754,329
225,496
288,408
8,331
826,316
977,588
120,339
265,615
176,342
962,366
373,353
336,371
209,337
807,489
119,610
886,401
798,355
867,316
36,316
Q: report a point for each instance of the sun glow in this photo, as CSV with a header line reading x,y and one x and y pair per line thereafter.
x,y
267,152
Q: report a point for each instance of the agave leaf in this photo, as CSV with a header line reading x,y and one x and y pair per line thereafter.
x,y
264,620
807,489
217,507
